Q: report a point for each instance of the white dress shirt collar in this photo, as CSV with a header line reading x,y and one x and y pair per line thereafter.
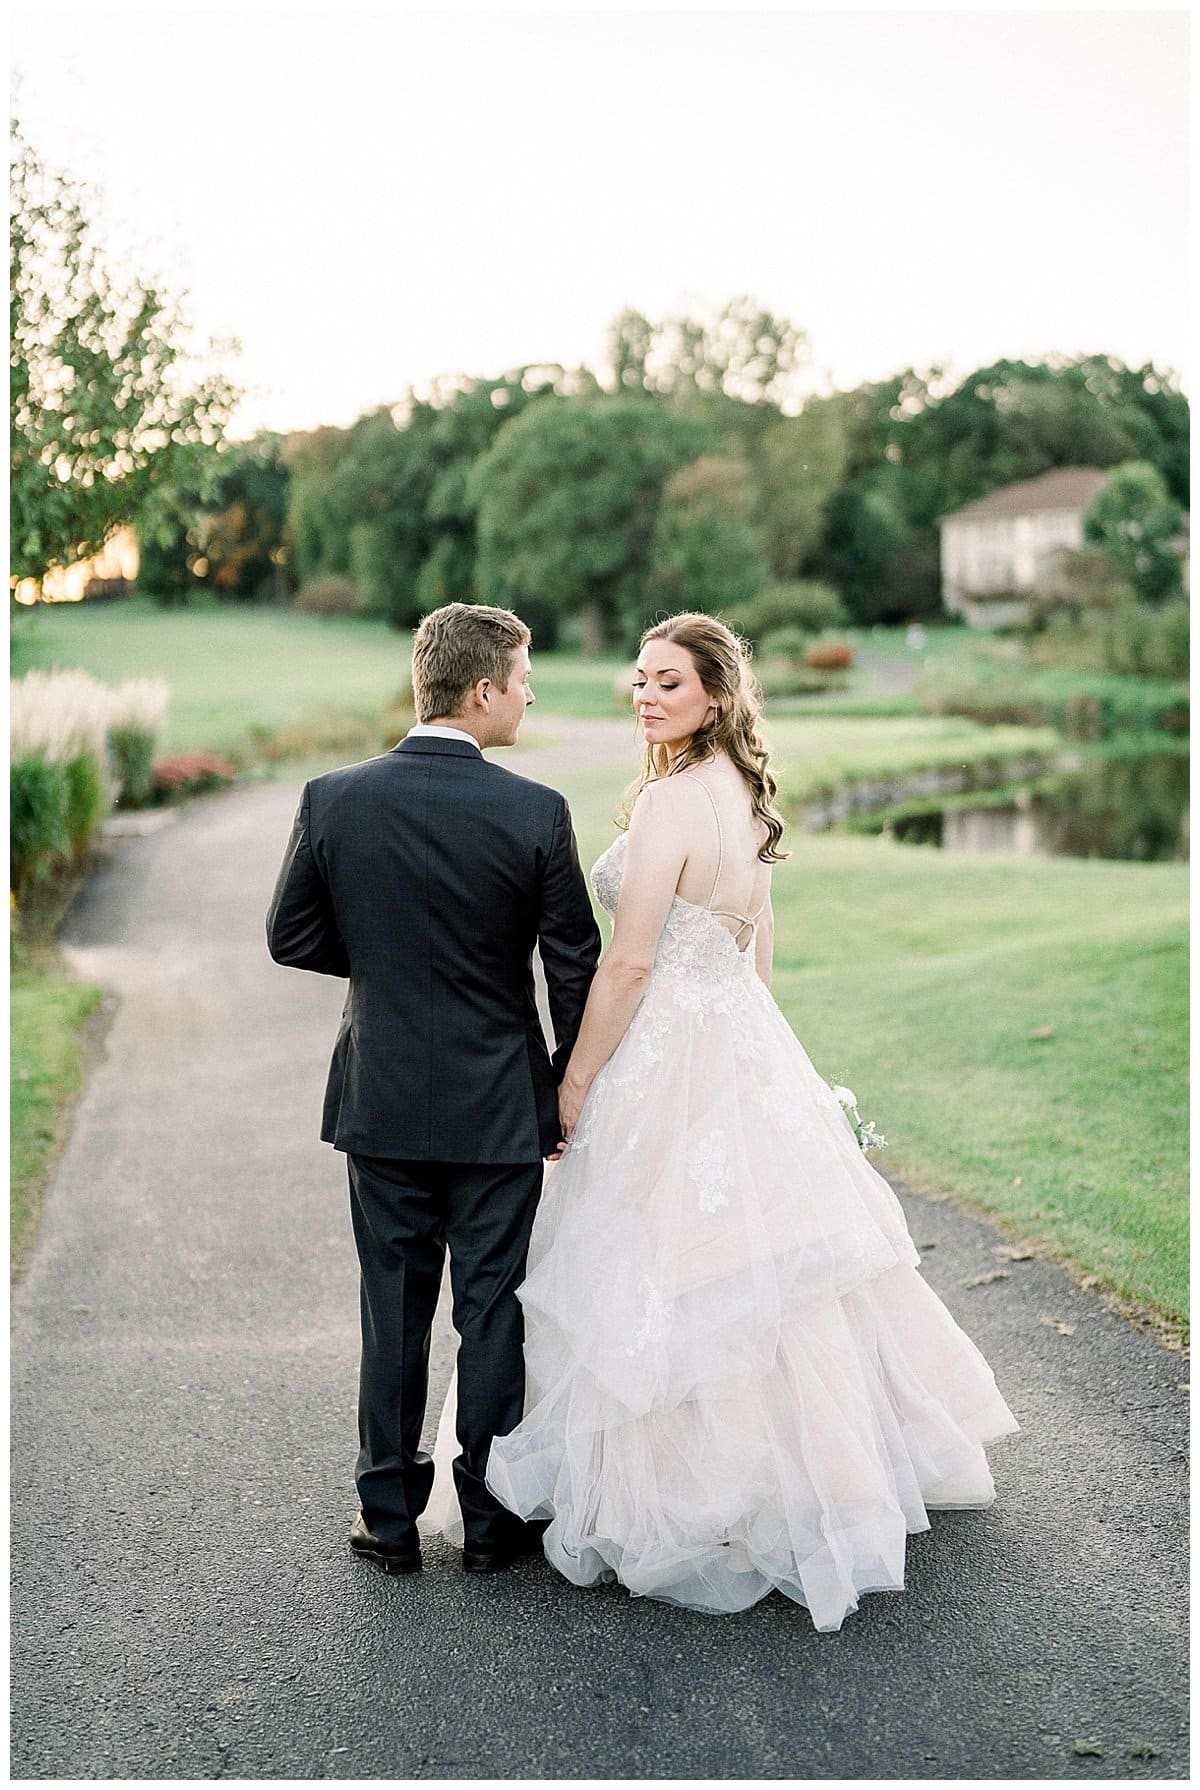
x,y
423,731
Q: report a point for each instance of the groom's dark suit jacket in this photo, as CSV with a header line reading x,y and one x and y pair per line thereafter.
x,y
427,876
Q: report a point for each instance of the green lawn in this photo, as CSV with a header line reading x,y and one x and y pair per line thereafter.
x,y
231,670
814,753
917,977
47,1015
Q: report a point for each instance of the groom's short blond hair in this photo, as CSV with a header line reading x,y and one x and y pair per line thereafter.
x,y
457,645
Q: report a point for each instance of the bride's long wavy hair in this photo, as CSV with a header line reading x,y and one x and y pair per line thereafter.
x,y
722,662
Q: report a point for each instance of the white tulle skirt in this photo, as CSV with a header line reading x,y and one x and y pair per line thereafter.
x,y
737,1379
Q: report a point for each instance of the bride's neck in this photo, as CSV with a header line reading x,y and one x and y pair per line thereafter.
x,y
676,754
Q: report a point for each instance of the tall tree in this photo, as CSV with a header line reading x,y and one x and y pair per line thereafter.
x,y
742,352
379,496
708,553
319,543
112,416
1137,523
567,501
469,417
798,462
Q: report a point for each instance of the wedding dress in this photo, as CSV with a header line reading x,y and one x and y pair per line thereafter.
x,y
737,1380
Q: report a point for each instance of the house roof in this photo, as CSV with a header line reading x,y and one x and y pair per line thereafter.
x,y
1063,488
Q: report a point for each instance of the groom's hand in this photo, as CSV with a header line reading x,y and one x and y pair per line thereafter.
x,y
558,1152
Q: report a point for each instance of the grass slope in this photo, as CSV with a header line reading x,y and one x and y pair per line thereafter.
x,y
48,1011
917,977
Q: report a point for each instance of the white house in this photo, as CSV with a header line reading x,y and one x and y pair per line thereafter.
x,y
1000,549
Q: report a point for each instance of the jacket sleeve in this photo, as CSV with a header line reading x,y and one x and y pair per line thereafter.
x,y
301,929
568,939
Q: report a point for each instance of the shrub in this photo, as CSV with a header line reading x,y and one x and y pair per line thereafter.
x,y
784,643
38,814
1148,642
136,714
133,766
829,655
59,713
1082,705
327,596
189,774
805,604
59,770
87,800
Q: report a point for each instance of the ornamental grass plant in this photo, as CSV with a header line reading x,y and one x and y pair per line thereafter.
x,y
59,784
137,718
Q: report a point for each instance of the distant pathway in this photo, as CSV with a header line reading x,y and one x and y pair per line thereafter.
x,y
183,1389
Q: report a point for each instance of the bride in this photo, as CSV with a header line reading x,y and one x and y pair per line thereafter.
x,y
737,1380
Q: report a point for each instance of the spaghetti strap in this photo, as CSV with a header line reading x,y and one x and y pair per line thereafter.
x,y
725,913
720,836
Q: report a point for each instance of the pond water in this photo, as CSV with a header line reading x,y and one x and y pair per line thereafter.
x,y
1133,808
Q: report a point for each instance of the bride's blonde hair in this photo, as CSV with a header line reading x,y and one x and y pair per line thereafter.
x,y
722,663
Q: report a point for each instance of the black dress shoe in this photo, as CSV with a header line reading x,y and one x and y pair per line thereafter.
x,y
494,1559
404,1558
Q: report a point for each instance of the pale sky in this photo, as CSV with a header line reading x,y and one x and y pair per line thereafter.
x,y
367,199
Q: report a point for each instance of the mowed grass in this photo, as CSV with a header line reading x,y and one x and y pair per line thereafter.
x,y
815,754
919,979
48,1012
231,671
234,670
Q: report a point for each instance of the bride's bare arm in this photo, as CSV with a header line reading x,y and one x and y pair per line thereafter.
x,y
764,944
657,849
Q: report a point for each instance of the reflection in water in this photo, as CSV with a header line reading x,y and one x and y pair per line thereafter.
x,y
1128,808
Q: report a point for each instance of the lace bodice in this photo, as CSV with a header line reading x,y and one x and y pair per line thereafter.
x,y
693,944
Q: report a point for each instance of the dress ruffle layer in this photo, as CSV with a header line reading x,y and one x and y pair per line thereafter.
x,y
738,1380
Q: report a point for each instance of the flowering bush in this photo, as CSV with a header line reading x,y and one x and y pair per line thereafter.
x,y
59,787
60,714
829,655
191,773
137,712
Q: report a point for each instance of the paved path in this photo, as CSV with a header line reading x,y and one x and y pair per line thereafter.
x,y
183,1381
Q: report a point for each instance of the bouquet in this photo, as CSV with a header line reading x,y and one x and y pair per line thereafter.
x,y
864,1129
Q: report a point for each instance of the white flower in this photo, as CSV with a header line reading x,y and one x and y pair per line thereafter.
x,y
59,714
845,1097
139,703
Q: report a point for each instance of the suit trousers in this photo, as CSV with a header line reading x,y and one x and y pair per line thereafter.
x,y
405,1214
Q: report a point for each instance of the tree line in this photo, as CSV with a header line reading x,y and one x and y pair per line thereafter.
x,y
697,473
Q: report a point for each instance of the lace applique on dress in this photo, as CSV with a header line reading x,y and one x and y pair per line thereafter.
x,y
655,1318
708,1166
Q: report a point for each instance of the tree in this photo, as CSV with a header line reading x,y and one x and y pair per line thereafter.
x,y
112,419
799,462
916,452
234,547
319,544
378,495
1137,523
567,500
707,553
742,352
468,420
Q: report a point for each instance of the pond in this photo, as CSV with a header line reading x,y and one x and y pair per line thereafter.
x,y
1133,808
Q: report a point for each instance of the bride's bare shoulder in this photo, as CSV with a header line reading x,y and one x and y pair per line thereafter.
x,y
666,797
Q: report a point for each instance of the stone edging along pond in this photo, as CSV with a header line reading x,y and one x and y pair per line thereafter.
x,y
866,795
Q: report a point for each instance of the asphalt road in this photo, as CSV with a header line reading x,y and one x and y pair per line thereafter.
x,y
183,1382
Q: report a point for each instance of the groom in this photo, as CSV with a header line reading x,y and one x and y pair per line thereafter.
x,y
426,876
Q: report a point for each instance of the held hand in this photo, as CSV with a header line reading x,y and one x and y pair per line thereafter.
x,y
571,1096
